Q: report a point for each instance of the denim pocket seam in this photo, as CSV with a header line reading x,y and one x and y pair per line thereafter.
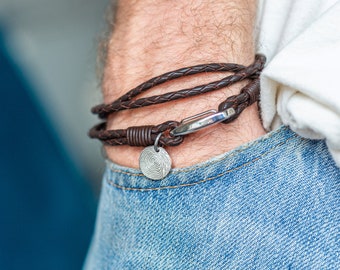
x,y
206,164
111,183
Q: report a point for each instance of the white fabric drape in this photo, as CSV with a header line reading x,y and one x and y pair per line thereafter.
x,y
301,80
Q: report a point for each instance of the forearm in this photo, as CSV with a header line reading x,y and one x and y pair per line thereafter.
x,y
153,37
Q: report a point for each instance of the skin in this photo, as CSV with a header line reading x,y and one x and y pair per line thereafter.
x,y
152,37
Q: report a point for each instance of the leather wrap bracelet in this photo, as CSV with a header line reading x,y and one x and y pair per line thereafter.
x,y
171,133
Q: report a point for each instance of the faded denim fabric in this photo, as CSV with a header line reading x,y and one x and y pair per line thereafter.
x,y
270,204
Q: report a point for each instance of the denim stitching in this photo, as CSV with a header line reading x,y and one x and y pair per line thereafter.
x,y
206,164
110,182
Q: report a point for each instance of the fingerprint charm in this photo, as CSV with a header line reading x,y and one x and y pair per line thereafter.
x,y
155,164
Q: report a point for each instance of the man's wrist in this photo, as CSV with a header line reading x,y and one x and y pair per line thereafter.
x,y
152,39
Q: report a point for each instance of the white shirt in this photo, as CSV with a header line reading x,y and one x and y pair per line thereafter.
x,y
301,80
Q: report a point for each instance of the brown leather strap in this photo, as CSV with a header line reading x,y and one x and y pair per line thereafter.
x,y
125,102
137,136
146,135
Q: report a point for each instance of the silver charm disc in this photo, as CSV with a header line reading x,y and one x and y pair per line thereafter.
x,y
155,164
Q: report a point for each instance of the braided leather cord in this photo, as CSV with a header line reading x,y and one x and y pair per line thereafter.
x,y
146,135
137,136
104,109
125,102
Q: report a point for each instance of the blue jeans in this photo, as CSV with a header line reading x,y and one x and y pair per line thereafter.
x,y
270,204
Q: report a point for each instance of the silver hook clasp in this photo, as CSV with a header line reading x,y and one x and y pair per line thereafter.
x,y
201,121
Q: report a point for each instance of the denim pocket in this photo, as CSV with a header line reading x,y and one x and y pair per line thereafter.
x,y
220,166
270,204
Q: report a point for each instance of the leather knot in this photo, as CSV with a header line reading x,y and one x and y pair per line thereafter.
x,y
139,136
252,90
